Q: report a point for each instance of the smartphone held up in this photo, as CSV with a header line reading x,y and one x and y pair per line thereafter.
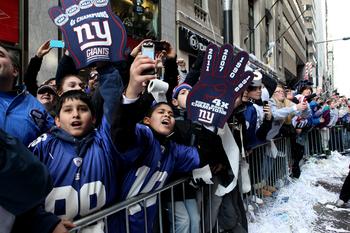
x,y
147,49
56,44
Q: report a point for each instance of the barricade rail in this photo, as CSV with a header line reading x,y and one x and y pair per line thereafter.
x,y
269,166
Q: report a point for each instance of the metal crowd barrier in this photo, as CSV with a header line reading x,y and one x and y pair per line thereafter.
x,y
313,144
270,172
268,167
338,140
346,137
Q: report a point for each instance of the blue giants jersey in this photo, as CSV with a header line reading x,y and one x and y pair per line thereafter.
x,y
148,167
83,172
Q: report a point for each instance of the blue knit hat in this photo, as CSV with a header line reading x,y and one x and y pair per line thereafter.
x,y
178,88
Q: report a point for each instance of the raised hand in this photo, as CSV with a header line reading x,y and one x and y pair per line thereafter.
x,y
223,78
91,31
43,49
138,81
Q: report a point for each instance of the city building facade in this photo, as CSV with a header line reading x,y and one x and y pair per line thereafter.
x,y
276,33
316,67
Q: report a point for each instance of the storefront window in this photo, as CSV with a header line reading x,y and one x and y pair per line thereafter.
x,y
140,18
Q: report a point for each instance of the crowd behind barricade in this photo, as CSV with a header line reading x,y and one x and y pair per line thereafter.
x,y
104,138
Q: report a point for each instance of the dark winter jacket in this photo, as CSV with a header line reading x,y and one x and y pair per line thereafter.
x,y
30,76
255,135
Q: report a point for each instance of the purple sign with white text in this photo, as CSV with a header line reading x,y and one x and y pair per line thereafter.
x,y
91,31
223,78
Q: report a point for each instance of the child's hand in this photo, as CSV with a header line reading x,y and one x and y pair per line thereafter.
x,y
138,81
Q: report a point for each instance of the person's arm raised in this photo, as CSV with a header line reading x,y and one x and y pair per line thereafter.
x,y
125,115
30,76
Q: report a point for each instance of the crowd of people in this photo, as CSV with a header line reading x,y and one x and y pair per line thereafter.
x,y
97,137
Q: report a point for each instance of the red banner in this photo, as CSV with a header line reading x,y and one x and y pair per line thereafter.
x,y
9,21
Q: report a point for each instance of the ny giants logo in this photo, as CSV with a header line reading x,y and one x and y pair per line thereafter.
x,y
91,36
205,116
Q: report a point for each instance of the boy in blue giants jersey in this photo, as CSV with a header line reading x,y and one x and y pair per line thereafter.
x,y
81,159
147,153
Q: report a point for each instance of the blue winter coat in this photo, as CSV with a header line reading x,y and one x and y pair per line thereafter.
x,y
23,116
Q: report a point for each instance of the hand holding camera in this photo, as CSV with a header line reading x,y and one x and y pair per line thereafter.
x,y
267,111
147,49
138,79
156,50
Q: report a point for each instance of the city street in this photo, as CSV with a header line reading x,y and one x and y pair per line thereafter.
x,y
307,205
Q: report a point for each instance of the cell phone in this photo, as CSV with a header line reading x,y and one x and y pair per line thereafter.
x,y
265,103
148,50
56,44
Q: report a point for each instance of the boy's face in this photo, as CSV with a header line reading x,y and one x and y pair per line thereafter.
x,y
72,83
162,120
180,102
75,117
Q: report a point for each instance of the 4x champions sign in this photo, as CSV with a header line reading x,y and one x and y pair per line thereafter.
x,y
222,80
91,31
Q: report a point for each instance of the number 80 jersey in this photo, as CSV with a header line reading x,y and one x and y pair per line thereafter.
x,y
83,172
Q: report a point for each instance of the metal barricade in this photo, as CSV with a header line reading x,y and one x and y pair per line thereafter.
x,y
269,166
338,140
125,205
165,221
313,145
273,171
346,138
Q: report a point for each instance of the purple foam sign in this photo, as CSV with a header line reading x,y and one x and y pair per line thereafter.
x,y
91,31
222,80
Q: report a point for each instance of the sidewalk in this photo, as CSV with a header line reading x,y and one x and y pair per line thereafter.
x,y
306,205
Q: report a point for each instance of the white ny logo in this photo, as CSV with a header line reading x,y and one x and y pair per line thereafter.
x,y
205,116
106,39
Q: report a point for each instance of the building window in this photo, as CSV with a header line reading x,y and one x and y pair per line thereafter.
x,y
200,10
140,18
251,26
267,34
198,3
